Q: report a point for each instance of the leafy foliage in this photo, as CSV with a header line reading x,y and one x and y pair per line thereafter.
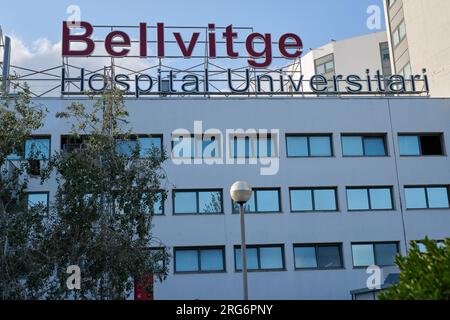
x,y
424,275
22,263
101,218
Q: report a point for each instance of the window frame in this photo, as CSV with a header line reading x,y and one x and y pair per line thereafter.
x,y
425,187
315,246
308,136
47,193
137,136
368,188
258,255
312,189
197,192
255,196
363,137
419,135
397,31
194,138
253,145
397,243
198,250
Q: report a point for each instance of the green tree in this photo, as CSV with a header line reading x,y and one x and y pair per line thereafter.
x,y
101,216
424,274
23,266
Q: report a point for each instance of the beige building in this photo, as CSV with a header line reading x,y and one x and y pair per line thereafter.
x,y
419,38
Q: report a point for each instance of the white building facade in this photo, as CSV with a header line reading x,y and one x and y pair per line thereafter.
x,y
354,180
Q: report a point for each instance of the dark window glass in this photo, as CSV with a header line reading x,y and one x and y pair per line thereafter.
x,y
417,145
309,146
261,257
328,257
385,254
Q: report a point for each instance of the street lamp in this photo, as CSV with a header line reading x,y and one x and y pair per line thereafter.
x,y
240,192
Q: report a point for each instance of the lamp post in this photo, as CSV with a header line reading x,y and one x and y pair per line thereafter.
x,y
240,192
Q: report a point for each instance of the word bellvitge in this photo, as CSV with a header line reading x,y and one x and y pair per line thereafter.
x,y
118,43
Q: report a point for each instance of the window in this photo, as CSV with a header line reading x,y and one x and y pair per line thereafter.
x,y
197,202
427,197
370,145
385,60
423,248
262,201
261,257
38,200
201,146
159,256
201,259
37,149
325,65
317,199
148,145
380,254
318,256
251,146
309,145
421,144
392,2
71,143
376,198
158,205
399,34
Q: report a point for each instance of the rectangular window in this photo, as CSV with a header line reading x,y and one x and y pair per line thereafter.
x,y
421,144
427,197
149,145
261,257
196,146
363,146
201,259
399,34
158,205
71,143
318,256
309,145
197,201
254,146
263,200
316,199
372,198
380,254
423,248
38,201
37,149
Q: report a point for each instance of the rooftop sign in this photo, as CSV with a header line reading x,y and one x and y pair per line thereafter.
x,y
117,43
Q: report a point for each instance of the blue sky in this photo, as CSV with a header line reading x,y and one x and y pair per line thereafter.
x,y
315,21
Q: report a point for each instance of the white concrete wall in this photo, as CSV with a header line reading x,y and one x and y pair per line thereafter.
x,y
290,115
427,30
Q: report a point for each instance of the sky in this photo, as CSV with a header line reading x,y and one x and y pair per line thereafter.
x,y
35,26
317,21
